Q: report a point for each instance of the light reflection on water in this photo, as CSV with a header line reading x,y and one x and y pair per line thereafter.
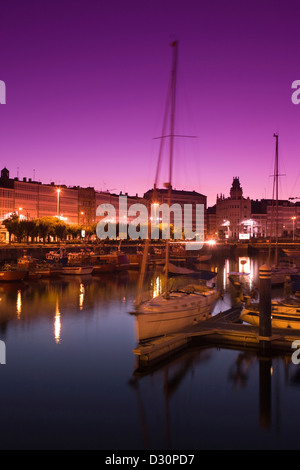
x,y
71,379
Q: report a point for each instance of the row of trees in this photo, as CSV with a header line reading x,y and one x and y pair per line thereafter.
x,y
47,229
44,228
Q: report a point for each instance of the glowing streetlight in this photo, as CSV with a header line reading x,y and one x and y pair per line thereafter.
x,y
58,200
293,219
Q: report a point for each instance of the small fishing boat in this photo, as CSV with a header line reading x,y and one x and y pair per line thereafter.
x,y
115,261
32,276
280,272
135,260
26,262
77,270
293,252
204,258
12,275
285,314
48,272
104,268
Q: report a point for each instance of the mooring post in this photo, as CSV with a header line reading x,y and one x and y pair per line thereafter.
x,y
265,307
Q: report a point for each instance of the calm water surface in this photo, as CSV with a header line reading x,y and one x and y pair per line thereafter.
x,y
71,378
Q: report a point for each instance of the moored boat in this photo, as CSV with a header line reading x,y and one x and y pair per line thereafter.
x,y
284,314
104,268
293,252
204,258
12,275
172,310
284,267
280,272
161,315
135,260
32,276
104,263
26,262
179,270
77,270
48,273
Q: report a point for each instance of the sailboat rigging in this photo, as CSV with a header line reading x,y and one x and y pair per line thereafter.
x,y
275,200
283,269
172,310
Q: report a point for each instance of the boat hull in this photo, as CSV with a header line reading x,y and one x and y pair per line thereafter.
x,y
278,279
292,252
77,271
282,317
279,275
156,319
12,276
49,273
104,268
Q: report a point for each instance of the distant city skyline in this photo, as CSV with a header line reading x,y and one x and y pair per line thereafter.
x,y
86,86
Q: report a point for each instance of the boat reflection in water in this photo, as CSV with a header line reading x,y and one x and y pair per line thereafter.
x,y
180,392
53,302
69,344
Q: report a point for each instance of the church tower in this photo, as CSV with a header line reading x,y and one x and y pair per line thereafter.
x,y
236,191
5,174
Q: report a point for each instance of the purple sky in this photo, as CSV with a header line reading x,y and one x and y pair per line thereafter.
x,y
87,79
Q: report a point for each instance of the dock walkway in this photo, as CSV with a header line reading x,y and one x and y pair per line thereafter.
x,y
221,330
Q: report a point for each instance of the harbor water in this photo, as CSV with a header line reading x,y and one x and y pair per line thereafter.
x,y
71,380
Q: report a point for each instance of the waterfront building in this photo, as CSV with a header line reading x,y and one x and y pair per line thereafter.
x,y
31,199
233,213
286,222
241,218
86,206
259,219
180,197
7,194
211,218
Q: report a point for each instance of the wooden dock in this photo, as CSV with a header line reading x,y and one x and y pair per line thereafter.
x,y
221,330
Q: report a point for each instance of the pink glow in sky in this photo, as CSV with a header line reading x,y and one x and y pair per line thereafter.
x,y
87,79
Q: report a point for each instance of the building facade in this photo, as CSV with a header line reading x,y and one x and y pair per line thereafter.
x,y
233,212
241,218
182,198
31,200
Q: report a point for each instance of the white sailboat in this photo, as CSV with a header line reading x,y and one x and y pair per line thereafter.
x,y
172,310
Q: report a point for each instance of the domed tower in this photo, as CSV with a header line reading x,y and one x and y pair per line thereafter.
x,y
236,191
5,174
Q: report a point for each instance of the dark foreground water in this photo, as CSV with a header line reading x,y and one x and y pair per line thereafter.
x,y
70,378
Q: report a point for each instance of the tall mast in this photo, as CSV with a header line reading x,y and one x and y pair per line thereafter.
x,y
276,182
169,114
173,83
173,106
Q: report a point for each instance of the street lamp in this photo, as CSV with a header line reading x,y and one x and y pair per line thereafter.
x,y
293,219
58,196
